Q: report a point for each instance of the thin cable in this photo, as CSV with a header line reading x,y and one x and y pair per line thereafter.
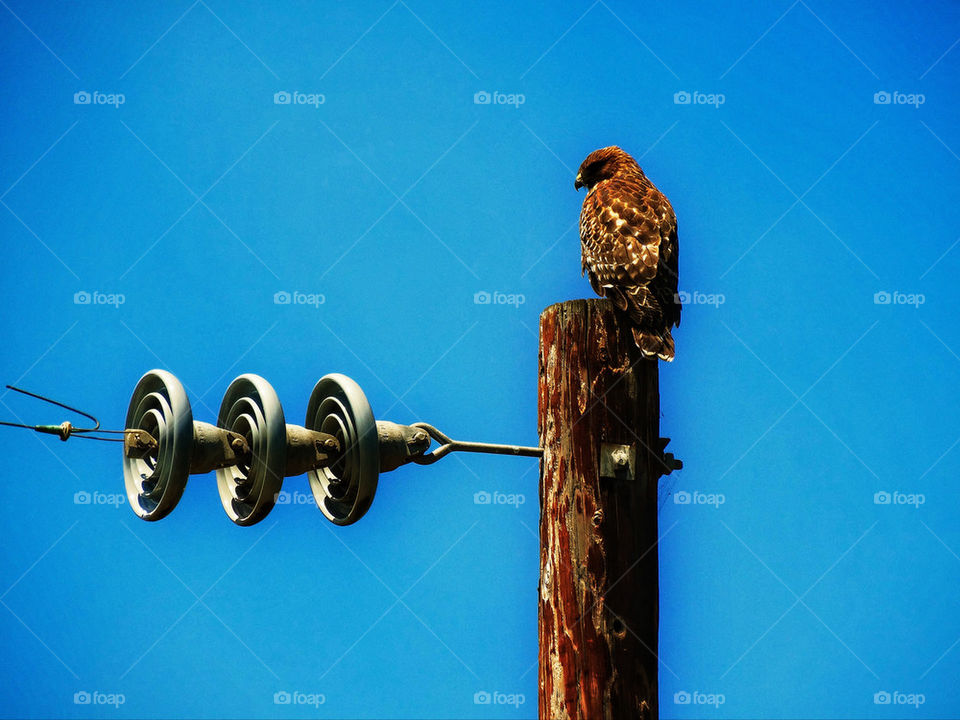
x,y
58,404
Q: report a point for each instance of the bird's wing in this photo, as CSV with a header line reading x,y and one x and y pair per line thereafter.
x,y
620,232
628,235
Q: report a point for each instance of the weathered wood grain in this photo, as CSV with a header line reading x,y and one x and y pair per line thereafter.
x,y
598,555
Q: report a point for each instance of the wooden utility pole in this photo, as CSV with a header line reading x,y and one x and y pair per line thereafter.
x,y
599,411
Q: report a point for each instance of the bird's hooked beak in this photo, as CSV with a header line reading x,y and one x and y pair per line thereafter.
x,y
578,183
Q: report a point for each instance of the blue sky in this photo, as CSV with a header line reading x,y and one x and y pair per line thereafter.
x,y
814,172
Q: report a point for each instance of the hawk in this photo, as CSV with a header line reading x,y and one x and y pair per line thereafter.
x,y
628,241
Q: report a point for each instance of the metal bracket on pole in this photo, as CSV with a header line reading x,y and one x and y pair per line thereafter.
x,y
670,463
618,462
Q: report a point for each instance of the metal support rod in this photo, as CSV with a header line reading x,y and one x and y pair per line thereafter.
x,y
495,449
448,445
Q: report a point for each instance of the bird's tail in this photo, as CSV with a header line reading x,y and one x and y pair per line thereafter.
x,y
653,344
651,331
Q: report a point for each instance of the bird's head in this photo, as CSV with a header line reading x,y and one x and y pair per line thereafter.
x,y
604,164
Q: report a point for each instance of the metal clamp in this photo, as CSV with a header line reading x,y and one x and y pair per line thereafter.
x,y
448,445
619,462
